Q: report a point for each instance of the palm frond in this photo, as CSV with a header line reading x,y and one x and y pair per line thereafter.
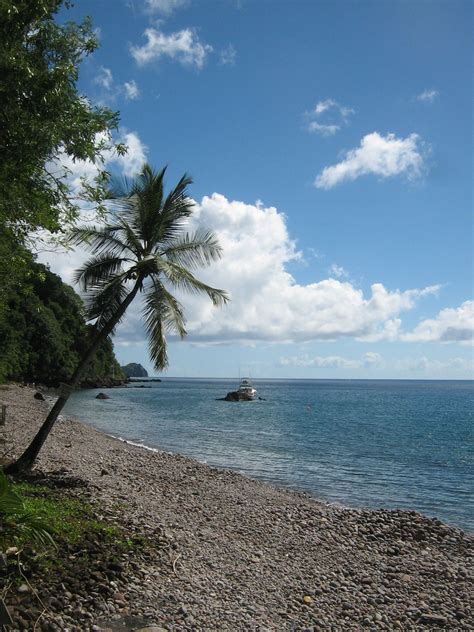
x,y
21,520
177,207
119,188
151,200
104,301
131,238
98,239
98,269
164,305
181,278
162,313
156,335
36,528
194,250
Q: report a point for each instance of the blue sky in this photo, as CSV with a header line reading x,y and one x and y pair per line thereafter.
x,y
330,147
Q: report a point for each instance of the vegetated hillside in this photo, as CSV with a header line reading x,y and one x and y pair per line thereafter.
x,y
134,370
43,332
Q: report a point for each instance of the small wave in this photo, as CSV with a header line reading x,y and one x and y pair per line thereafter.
x,y
137,444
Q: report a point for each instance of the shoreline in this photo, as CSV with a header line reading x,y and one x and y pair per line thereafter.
x,y
252,555
435,503
278,486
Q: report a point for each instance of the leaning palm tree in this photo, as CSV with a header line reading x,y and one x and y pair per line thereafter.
x,y
142,249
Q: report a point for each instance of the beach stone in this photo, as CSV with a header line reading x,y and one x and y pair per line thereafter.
x,y
435,619
39,396
102,396
119,598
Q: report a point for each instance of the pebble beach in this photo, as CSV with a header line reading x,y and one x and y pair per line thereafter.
x,y
232,553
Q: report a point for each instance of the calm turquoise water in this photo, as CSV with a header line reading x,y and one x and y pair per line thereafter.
x,y
393,444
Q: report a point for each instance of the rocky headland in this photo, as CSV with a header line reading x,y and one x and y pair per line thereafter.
x,y
223,552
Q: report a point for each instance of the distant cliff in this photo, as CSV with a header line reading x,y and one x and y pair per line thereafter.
x,y
134,370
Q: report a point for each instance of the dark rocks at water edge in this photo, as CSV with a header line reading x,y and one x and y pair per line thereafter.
x,y
102,396
237,396
229,553
102,383
133,369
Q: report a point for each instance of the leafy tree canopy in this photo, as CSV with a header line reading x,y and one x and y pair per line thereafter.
x,y
43,332
43,115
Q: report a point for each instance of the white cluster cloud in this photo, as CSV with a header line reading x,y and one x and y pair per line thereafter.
x,y
383,156
128,164
183,46
450,325
390,331
266,302
327,117
369,360
428,96
131,162
111,90
164,7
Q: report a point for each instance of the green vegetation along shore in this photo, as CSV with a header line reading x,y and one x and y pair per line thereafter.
x,y
43,333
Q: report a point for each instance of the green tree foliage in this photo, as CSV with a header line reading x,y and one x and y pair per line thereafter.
x,y
42,114
43,333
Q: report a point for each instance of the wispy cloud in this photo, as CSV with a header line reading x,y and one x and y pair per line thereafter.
x,y
111,90
164,7
228,55
183,46
131,90
104,78
434,366
327,117
323,130
369,360
428,96
383,156
337,271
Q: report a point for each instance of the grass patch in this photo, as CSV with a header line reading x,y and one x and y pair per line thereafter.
x,y
71,519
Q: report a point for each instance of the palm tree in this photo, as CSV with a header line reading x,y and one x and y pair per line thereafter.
x,y
142,249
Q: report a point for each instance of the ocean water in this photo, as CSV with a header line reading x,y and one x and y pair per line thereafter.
x,y
362,443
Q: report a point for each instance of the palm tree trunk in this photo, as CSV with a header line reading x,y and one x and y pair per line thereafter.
x,y
29,456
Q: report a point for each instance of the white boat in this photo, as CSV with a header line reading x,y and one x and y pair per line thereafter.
x,y
246,389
